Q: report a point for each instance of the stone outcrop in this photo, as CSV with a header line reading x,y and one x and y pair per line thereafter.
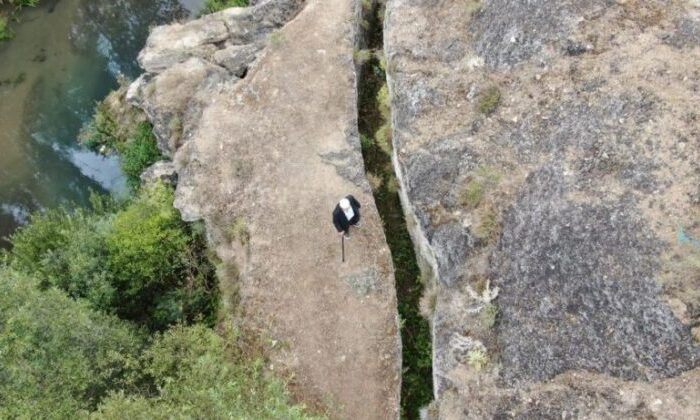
x,y
256,108
548,156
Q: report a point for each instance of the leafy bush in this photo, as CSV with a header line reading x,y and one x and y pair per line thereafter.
x,y
119,126
212,6
138,260
58,356
138,153
199,376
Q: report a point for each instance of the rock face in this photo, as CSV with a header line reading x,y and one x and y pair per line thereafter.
x,y
548,153
256,107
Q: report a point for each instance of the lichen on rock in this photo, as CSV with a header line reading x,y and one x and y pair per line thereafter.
x,y
591,135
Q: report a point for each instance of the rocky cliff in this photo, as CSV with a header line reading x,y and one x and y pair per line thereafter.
x,y
548,155
256,109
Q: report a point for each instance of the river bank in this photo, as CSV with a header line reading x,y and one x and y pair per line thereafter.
x,y
64,57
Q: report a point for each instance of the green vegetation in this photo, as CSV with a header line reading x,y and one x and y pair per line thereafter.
x,y
138,153
489,101
361,56
489,315
374,122
119,127
489,223
482,180
238,231
202,375
20,3
5,31
63,359
473,193
105,311
136,260
212,6
58,356
478,359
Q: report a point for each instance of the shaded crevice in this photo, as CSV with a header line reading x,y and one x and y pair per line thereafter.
x,y
374,124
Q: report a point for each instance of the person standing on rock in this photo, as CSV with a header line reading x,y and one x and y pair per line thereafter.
x,y
346,214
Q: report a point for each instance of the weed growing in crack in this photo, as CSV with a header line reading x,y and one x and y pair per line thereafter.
x,y
478,359
489,101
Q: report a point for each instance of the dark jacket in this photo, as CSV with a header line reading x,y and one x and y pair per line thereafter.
x,y
340,221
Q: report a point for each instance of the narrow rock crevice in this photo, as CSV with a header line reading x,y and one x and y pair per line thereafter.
x,y
374,123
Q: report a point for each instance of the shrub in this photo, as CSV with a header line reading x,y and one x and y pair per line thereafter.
x,y
119,126
489,101
362,56
139,260
201,375
212,6
5,31
156,266
59,356
478,359
138,153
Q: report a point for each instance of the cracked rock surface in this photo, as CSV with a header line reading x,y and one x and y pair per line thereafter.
x,y
256,108
548,153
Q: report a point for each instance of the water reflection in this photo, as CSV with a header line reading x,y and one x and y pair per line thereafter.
x,y
65,56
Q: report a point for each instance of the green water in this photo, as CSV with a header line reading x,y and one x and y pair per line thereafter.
x,y
65,56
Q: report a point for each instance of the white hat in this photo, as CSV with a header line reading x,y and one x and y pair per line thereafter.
x,y
345,204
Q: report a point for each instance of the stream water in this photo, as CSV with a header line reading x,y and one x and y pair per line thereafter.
x,y
65,56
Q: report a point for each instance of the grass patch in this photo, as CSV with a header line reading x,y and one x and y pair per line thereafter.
x,y
383,138
489,223
489,315
490,100
5,31
482,180
139,153
384,102
238,231
119,127
213,6
473,193
362,56
478,359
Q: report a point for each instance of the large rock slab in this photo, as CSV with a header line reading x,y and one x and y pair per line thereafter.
x,y
263,151
548,154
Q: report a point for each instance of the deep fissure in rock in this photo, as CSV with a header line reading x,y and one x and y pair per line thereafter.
x,y
374,123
